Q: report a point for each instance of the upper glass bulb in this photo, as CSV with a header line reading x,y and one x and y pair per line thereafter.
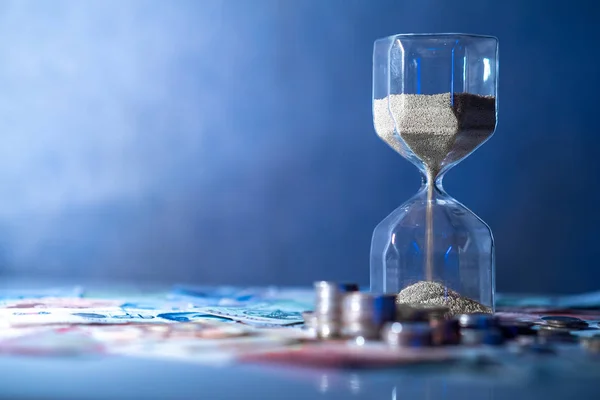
x,y
450,78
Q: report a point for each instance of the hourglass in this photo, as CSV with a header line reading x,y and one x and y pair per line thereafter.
x,y
434,102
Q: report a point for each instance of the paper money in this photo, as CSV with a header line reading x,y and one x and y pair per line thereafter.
x,y
261,314
191,316
56,303
108,315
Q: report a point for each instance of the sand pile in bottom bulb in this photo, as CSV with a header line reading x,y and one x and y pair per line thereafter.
x,y
433,293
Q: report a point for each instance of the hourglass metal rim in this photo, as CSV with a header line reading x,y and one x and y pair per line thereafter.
x,y
435,35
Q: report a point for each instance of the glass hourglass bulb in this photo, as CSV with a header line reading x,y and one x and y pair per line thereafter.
x,y
434,102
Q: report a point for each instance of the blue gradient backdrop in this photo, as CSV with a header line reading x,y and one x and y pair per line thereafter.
x,y
231,141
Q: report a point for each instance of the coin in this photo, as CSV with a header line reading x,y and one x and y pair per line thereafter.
x,y
363,314
407,313
335,287
407,334
432,311
328,307
556,335
477,321
445,332
556,329
561,321
327,329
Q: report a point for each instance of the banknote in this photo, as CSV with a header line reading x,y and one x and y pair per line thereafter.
x,y
54,316
264,313
59,302
230,296
104,315
191,316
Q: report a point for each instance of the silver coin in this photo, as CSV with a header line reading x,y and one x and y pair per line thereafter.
x,y
328,330
357,329
325,288
407,334
409,313
363,314
365,306
433,311
565,321
329,296
553,329
445,331
358,303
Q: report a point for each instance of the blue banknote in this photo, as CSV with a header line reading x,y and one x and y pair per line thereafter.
x,y
264,314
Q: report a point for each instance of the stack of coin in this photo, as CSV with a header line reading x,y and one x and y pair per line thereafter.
x,y
407,334
364,314
434,312
480,328
563,322
445,331
551,334
328,307
477,321
411,313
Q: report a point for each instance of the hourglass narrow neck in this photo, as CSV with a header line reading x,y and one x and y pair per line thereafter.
x,y
436,183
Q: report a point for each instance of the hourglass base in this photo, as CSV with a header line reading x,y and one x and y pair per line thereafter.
x,y
438,244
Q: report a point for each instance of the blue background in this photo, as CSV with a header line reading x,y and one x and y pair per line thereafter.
x,y
232,141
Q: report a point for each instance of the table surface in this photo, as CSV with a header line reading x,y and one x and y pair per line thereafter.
x,y
118,377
